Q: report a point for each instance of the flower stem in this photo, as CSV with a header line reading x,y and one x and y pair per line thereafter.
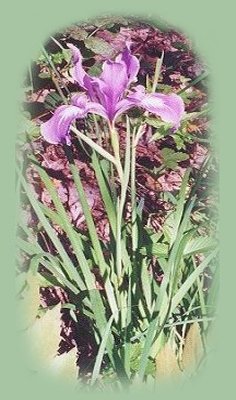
x,y
94,145
120,204
124,175
133,203
135,138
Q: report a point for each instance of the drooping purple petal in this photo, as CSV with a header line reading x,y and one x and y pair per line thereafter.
x,y
56,129
174,102
169,107
131,62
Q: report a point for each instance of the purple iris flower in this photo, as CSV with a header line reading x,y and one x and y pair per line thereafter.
x,y
109,96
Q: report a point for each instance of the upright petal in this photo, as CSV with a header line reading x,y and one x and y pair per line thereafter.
x,y
77,72
56,129
131,62
111,85
109,88
80,76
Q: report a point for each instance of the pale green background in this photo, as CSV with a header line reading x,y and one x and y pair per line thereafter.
x,y
23,26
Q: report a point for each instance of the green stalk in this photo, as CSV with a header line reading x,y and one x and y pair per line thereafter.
x,y
94,145
116,149
133,195
124,175
135,139
120,204
118,242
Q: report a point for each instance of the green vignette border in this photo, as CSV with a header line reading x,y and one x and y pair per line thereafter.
x,y
23,30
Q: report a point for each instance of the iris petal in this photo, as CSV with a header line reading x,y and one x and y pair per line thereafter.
x,y
56,129
78,73
169,107
131,62
111,85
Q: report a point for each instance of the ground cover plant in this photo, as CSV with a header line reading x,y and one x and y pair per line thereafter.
x,y
117,230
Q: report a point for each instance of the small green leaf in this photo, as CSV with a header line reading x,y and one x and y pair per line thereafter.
x,y
172,158
40,59
52,100
179,141
157,135
157,123
99,46
57,58
66,55
181,156
167,153
150,368
136,351
135,356
95,70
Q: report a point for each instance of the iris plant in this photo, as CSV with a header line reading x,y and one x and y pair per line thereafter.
x,y
109,96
